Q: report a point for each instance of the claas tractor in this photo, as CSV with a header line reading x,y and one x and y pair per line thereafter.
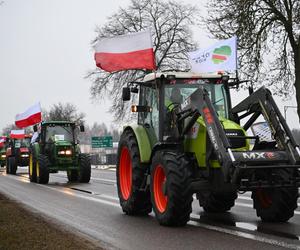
x,y
56,149
17,153
190,140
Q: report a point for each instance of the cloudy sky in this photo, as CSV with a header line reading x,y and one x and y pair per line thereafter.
x,y
45,53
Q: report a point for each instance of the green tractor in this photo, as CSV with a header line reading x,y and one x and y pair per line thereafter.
x,y
189,140
56,149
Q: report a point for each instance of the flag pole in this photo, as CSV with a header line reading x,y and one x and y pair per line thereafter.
x,y
236,60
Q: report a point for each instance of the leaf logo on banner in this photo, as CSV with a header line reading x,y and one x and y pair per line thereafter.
x,y
221,54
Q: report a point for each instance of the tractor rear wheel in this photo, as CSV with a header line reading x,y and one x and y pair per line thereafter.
x,y
32,168
276,204
171,188
84,173
72,175
217,202
42,169
131,176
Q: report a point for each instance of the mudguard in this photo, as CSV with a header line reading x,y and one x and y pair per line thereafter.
x,y
143,141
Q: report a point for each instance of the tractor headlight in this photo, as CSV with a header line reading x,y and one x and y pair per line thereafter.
x,y
65,152
25,155
3,156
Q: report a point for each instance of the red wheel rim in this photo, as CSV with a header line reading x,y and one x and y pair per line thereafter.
x,y
125,173
264,198
158,185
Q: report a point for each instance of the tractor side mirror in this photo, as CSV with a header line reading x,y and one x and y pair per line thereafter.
x,y
126,94
81,127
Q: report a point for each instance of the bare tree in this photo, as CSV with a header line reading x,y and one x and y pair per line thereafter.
x,y
169,23
64,112
268,34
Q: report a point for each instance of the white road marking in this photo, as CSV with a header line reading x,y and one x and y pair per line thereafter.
x,y
101,179
109,197
242,234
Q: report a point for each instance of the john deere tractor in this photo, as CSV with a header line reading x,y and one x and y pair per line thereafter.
x,y
17,153
56,149
189,140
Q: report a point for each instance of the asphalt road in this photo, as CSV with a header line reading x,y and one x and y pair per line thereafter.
x,y
93,209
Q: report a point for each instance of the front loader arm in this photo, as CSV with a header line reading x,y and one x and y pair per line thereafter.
x,y
199,104
262,102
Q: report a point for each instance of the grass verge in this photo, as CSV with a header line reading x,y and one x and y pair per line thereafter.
x,y
21,229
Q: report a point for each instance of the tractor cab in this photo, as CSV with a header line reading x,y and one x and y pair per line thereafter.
x,y
161,94
58,140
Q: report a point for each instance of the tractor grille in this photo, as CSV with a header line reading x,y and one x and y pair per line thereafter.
x,y
236,142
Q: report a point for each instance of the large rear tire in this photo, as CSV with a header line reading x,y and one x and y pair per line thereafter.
x,y
171,188
276,204
131,176
42,169
217,202
32,168
84,174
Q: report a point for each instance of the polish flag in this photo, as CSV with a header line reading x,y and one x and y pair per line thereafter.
x,y
17,134
30,117
2,141
131,51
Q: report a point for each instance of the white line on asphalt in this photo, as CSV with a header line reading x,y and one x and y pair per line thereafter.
x,y
242,234
101,179
109,197
72,193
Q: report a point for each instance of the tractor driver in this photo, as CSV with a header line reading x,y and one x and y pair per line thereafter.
x,y
175,100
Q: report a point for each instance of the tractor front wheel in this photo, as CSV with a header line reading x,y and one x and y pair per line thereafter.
x,y
217,202
42,169
276,204
32,168
72,175
171,188
131,176
84,174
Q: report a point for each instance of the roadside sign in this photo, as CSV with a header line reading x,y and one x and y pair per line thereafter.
x,y
102,142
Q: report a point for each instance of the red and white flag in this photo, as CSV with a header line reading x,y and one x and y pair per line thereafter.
x,y
30,117
17,134
2,140
131,51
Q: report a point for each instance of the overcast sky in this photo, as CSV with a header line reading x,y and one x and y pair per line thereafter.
x,y
45,53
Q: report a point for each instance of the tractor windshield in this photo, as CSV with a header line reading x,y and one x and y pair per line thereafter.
x,y
177,93
25,143
59,133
